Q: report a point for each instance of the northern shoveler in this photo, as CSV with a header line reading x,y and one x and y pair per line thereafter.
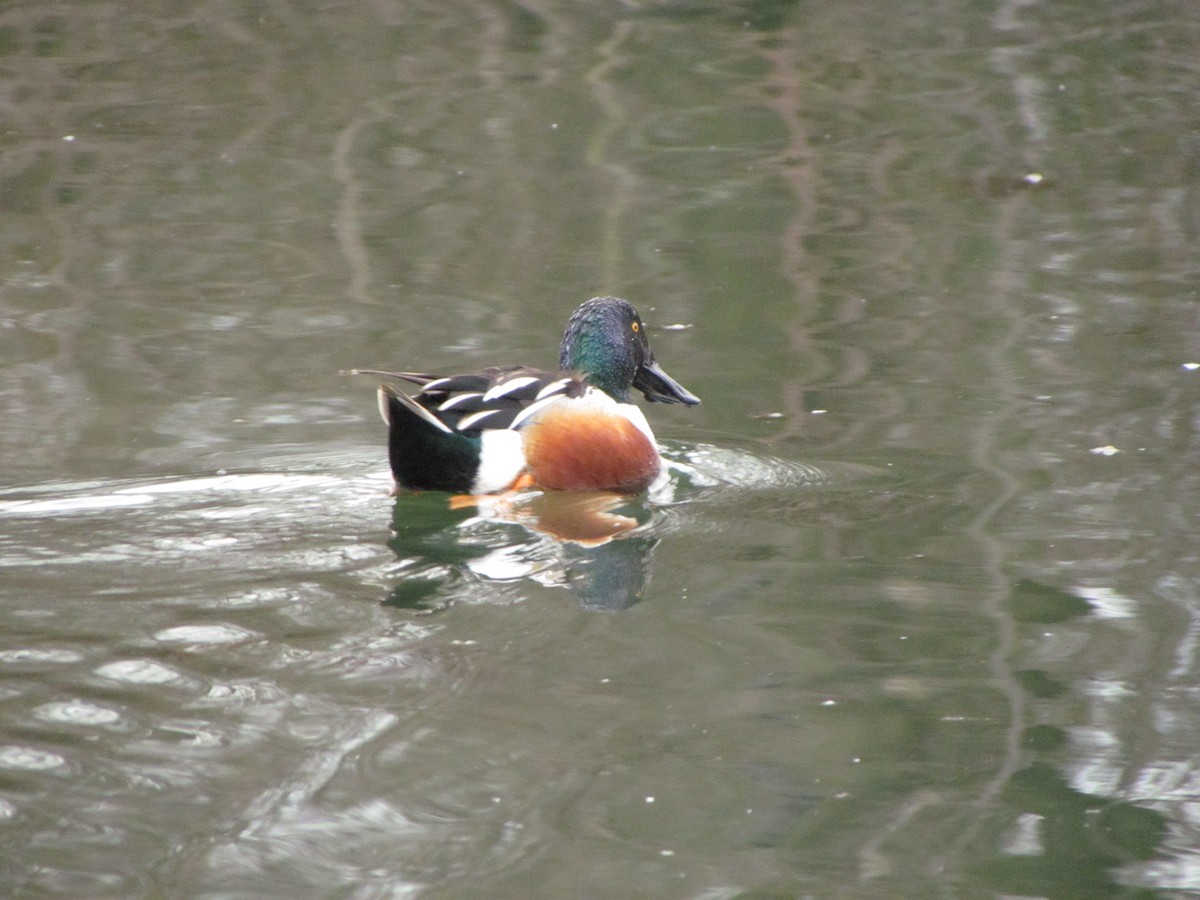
x,y
503,427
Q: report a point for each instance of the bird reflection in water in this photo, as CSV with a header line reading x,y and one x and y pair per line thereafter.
x,y
592,543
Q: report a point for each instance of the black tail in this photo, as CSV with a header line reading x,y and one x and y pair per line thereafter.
x,y
424,453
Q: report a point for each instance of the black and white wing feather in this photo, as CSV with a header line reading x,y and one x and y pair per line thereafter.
x,y
492,398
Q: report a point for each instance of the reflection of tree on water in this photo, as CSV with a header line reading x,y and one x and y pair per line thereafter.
x,y
1064,842
585,542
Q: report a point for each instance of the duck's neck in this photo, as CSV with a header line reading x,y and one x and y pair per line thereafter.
x,y
600,362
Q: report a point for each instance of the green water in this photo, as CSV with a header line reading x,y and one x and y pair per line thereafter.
x,y
915,615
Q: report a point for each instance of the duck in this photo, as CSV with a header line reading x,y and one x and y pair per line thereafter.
x,y
506,428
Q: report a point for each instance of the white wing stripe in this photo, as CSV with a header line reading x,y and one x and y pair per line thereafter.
x,y
457,399
507,387
466,423
532,410
554,387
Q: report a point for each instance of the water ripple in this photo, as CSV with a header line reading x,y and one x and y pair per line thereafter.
x,y
76,712
140,671
39,655
30,760
205,634
86,498
708,466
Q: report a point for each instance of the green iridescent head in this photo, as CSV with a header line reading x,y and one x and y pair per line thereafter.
x,y
605,344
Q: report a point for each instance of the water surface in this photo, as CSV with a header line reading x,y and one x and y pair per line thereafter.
x,y
916,614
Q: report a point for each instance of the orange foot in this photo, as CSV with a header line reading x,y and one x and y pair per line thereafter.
x,y
462,501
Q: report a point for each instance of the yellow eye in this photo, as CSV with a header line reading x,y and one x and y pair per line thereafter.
x,y
636,326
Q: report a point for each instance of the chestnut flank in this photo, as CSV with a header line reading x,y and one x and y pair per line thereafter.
x,y
570,449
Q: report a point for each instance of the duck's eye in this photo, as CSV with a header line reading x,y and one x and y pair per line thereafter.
x,y
636,326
